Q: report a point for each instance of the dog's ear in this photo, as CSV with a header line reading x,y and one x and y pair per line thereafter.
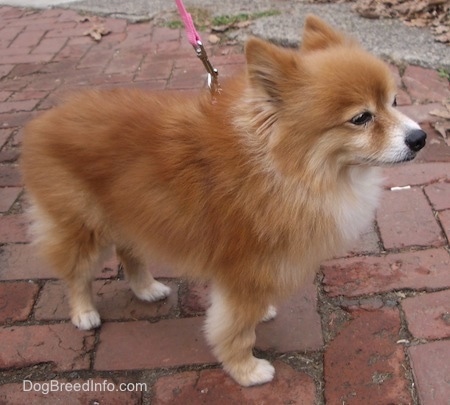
x,y
317,35
268,66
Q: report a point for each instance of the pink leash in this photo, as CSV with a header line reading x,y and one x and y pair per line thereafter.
x,y
194,39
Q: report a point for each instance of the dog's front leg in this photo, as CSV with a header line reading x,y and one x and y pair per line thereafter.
x,y
230,330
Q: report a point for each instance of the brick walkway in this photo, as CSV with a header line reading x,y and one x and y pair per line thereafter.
x,y
373,328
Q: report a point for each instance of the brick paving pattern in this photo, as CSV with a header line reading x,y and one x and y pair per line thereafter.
x,y
372,328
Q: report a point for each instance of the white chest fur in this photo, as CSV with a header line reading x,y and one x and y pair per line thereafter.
x,y
356,202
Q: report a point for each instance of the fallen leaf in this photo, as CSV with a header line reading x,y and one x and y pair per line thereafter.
x,y
441,114
442,127
213,39
97,32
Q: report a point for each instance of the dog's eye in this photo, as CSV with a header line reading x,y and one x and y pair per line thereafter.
x,y
394,104
362,118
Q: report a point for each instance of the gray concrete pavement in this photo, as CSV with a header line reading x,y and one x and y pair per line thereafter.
x,y
387,38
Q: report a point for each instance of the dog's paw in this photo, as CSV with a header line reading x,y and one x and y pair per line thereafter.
x,y
259,372
154,292
270,314
87,320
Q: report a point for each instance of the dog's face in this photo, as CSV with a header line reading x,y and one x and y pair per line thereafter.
x,y
331,102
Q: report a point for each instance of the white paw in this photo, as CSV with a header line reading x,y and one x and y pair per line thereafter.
x,y
154,292
270,314
260,371
86,320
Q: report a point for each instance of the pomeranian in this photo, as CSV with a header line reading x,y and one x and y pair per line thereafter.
x,y
251,191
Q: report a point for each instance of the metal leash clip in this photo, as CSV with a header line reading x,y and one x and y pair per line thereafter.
x,y
213,73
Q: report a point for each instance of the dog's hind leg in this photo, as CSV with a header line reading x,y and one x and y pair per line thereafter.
x,y
142,283
230,330
75,251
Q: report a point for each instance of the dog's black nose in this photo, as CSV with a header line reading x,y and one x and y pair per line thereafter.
x,y
415,139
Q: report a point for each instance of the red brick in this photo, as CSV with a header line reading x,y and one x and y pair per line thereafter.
x,y
9,33
50,25
15,57
58,344
124,62
431,367
63,31
28,39
437,148
187,79
16,84
115,25
428,315
10,176
113,298
416,174
93,391
4,136
215,387
28,95
46,82
364,364
172,342
21,262
68,15
439,195
196,299
151,70
425,85
9,155
8,195
151,85
16,300
14,228
5,70
11,13
26,69
162,269
75,49
426,269
405,219
444,218
12,106
297,326
368,242
403,98
95,58
4,95
163,34
50,45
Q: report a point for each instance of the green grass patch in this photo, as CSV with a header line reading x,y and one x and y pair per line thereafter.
x,y
203,20
233,19
444,73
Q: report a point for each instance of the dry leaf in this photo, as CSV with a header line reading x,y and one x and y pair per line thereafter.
x,y
442,127
441,114
213,39
97,32
243,24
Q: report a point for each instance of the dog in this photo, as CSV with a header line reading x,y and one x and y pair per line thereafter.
x,y
251,191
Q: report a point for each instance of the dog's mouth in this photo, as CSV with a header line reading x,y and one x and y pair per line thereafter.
x,y
373,161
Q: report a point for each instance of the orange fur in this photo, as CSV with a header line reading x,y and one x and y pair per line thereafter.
x,y
251,192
